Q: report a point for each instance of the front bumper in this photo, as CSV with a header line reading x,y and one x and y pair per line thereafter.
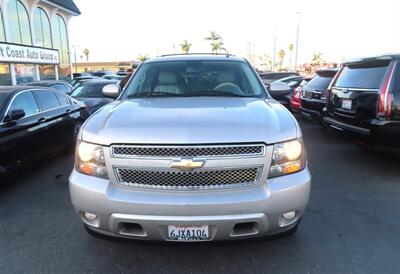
x,y
121,212
312,109
383,133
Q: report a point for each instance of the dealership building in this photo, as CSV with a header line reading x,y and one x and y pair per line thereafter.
x,y
34,41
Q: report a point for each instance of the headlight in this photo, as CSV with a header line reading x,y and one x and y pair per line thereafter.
x,y
90,160
287,157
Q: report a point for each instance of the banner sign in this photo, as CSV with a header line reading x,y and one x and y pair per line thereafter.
x,y
11,53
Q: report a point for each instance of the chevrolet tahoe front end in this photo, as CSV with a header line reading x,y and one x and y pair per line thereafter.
x,y
191,168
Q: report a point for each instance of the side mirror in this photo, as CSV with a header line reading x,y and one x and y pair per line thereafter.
x,y
111,91
277,89
14,115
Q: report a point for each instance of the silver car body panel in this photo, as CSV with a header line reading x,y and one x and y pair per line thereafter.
x,y
193,120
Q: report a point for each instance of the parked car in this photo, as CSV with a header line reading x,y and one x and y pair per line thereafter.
x,y
313,96
56,84
90,92
113,77
193,149
122,72
295,99
269,77
78,80
101,73
80,74
364,100
293,82
35,121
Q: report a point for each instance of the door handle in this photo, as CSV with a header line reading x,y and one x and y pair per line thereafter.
x,y
43,119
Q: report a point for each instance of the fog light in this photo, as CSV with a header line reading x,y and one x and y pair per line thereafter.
x,y
90,216
289,215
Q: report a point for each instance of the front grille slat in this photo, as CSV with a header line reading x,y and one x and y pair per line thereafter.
x,y
187,180
122,151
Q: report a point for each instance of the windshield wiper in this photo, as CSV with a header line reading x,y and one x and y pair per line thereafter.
x,y
215,93
148,94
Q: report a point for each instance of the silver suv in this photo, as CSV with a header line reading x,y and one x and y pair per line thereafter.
x,y
193,149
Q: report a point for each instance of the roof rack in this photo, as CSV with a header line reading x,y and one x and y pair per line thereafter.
x,y
200,53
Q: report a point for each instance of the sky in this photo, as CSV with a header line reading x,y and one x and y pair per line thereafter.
x,y
121,30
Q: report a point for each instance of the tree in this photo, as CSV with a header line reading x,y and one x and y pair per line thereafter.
x,y
291,48
317,58
86,53
185,46
143,57
216,42
281,56
265,61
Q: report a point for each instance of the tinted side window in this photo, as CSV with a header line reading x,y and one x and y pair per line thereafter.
x,y
62,87
62,99
397,77
368,76
47,99
25,101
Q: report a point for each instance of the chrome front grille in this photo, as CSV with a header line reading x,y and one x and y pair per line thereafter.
x,y
187,180
220,151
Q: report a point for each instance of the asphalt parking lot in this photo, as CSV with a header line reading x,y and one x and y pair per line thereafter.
x,y
352,224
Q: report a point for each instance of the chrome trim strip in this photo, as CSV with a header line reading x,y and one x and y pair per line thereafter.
x,y
355,89
254,155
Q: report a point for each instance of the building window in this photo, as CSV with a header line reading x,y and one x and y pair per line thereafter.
x,y
61,39
18,23
5,76
47,72
24,73
2,36
42,29
64,72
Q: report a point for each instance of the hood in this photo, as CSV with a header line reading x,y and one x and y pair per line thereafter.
x,y
190,120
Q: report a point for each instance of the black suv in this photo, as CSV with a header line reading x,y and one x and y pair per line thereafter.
x,y
313,95
364,100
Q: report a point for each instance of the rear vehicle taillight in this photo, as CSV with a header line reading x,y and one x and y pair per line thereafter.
x,y
328,92
385,100
295,101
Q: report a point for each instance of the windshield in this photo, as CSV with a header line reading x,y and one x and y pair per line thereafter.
x,y
319,83
88,91
194,78
367,76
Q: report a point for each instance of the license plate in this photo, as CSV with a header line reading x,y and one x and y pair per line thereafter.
x,y
346,104
188,233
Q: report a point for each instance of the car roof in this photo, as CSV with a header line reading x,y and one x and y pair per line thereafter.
x,y
389,56
44,83
293,77
10,90
330,72
196,57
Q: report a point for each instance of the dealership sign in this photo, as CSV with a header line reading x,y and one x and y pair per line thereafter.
x,y
11,53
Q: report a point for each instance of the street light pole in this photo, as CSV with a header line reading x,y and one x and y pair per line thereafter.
x,y
297,39
274,57
250,57
76,65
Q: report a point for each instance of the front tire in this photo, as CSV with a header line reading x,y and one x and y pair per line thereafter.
x,y
77,128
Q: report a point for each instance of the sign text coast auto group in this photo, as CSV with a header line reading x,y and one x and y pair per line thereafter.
x,y
25,54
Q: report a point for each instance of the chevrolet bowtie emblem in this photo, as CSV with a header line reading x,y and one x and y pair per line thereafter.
x,y
187,164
